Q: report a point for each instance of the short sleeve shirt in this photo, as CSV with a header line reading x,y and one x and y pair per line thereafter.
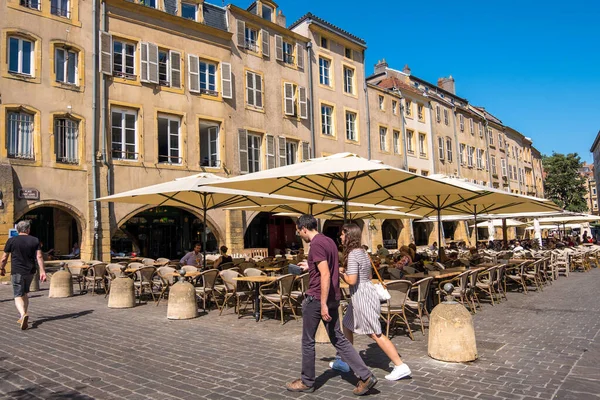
x,y
322,248
23,250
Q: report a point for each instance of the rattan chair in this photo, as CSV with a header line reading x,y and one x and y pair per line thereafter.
x,y
486,282
144,282
96,276
207,290
77,273
232,293
284,285
301,286
395,308
419,305
500,283
461,288
516,275
163,280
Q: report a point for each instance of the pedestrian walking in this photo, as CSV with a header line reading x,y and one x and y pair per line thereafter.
x,y
321,304
25,253
364,308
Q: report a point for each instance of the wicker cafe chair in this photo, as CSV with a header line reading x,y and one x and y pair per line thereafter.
x,y
144,282
112,272
461,288
301,285
96,277
77,273
395,308
531,274
163,280
207,290
419,305
163,261
471,292
486,282
516,275
500,283
278,300
232,292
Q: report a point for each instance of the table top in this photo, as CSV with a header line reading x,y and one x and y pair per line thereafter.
x,y
271,268
446,273
189,274
259,279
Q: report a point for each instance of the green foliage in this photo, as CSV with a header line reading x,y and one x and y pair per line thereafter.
x,y
563,183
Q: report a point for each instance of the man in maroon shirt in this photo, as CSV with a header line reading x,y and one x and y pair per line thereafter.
x,y
321,303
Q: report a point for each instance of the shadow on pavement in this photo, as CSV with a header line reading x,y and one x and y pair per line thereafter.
x,y
38,322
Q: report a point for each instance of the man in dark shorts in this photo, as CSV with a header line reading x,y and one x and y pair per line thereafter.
x,y
321,304
25,252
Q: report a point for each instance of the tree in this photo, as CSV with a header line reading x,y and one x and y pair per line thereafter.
x,y
563,183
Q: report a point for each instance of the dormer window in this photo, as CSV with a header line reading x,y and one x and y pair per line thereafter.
x,y
267,12
189,10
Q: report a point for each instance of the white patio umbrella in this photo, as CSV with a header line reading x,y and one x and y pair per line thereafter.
x,y
196,191
314,207
491,230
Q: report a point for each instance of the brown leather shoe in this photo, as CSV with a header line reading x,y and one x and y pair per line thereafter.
x,y
364,386
299,386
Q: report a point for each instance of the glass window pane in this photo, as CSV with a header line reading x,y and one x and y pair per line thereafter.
x,y
130,121
13,58
59,63
26,65
72,67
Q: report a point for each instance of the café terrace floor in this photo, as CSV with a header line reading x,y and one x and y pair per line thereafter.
x,y
537,346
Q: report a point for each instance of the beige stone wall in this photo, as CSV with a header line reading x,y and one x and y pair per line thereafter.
x,y
389,119
439,129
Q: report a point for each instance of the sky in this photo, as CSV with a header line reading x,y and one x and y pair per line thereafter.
x,y
533,64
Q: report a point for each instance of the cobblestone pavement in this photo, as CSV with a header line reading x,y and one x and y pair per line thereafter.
x,y
536,346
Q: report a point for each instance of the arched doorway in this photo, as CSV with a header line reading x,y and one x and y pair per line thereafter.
x,y
167,232
275,233
390,233
421,231
333,228
449,229
56,228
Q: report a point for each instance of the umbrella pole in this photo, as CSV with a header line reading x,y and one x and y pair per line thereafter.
x,y
476,233
439,219
345,201
504,232
204,209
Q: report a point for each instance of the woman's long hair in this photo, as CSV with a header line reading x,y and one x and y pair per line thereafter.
x,y
351,240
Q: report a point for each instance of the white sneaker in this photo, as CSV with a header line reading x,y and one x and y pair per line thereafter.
x,y
399,372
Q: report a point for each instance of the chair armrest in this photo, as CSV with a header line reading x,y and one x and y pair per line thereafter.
x,y
266,287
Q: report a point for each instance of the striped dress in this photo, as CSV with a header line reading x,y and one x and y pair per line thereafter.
x,y
362,315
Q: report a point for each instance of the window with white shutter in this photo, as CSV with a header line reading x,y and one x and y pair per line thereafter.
x,y
291,152
193,73
254,89
241,33
209,144
282,151
300,56
243,149
303,102
503,166
449,149
105,59
175,69
441,152
226,89
306,151
289,99
123,59
271,162
266,45
254,152
278,48
152,63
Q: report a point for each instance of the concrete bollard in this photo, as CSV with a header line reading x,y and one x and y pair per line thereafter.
x,y
60,284
322,337
182,301
35,283
122,293
451,332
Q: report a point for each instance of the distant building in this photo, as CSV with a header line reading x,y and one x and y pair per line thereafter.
x,y
591,190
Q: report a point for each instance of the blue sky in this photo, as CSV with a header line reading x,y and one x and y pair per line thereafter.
x,y
534,64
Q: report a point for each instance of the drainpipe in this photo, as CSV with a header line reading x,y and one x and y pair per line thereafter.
x,y
95,127
404,145
103,116
311,112
533,173
368,114
487,146
457,144
433,149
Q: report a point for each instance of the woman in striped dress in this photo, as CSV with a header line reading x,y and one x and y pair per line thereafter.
x,y
362,315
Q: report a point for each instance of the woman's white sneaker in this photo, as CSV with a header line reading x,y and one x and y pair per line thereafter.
x,y
399,372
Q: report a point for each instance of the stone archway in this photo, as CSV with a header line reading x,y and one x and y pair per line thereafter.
x,y
58,225
390,233
163,231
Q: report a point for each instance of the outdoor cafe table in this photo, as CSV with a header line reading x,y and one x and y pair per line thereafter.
x,y
443,274
271,270
258,281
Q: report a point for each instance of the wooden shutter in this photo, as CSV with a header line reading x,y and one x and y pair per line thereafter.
x,y
265,42
144,75
175,69
193,73
282,149
106,56
305,151
278,48
303,104
288,98
241,33
152,63
250,88
270,151
171,6
243,143
259,90
226,89
300,55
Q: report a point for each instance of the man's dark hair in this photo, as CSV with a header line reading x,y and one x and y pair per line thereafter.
x,y
197,244
307,221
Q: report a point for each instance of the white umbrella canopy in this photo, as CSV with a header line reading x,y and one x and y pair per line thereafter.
x,y
195,191
317,208
498,223
569,219
353,215
347,177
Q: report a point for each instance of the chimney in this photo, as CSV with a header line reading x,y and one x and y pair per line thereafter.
x,y
281,20
381,66
447,84
406,69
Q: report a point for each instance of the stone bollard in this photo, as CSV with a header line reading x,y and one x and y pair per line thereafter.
x,y
122,293
182,300
35,283
61,284
322,337
451,332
